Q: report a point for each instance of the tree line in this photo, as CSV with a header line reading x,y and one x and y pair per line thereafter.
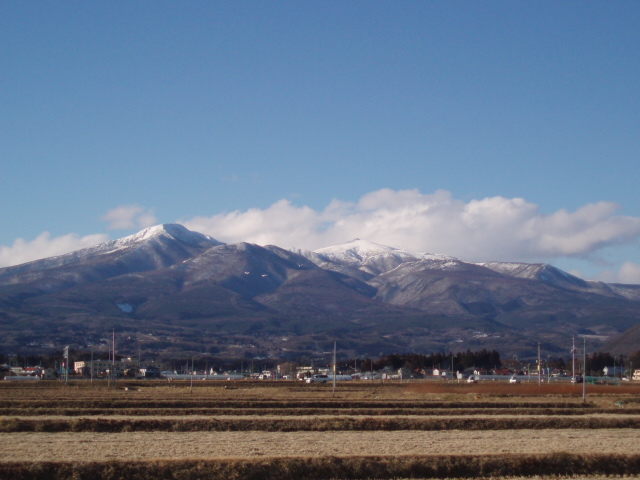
x,y
461,361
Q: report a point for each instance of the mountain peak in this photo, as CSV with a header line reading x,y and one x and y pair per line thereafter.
x,y
173,230
369,257
357,248
159,235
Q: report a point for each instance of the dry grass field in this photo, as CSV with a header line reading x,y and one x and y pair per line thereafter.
x,y
292,430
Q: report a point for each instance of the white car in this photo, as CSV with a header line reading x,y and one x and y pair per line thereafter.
x,y
318,379
514,380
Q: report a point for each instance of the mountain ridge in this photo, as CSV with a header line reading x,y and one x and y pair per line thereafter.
x,y
244,299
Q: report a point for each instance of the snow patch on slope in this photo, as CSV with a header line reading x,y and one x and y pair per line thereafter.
x,y
357,248
360,251
125,307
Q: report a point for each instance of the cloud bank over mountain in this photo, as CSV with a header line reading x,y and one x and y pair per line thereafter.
x,y
44,245
493,228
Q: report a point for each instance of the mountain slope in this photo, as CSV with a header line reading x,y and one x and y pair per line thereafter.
x,y
627,343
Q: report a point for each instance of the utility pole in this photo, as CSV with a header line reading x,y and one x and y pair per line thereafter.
x,y
573,353
371,370
113,359
451,365
334,369
584,371
66,365
539,371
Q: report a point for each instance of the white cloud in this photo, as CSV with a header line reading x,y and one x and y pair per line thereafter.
x,y
45,246
495,228
127,217
629,273
279,221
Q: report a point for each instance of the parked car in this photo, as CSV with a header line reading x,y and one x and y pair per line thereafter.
x,y
576,379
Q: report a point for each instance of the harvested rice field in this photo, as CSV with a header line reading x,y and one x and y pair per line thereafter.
x,y
285,430
202,445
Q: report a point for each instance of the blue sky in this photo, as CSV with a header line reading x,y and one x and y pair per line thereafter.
x,y
485,130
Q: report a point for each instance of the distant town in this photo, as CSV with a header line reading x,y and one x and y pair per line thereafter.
x,y
467,366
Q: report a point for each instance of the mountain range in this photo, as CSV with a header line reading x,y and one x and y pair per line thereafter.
x,y
169,291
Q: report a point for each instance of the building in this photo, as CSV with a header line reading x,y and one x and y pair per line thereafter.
x,y
149,372
99,368
91,368
49,374
304,372
612,371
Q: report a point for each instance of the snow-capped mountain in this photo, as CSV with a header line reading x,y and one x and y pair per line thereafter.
x,y
517,294
151,248
369,258
143,239
185,284
375,260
